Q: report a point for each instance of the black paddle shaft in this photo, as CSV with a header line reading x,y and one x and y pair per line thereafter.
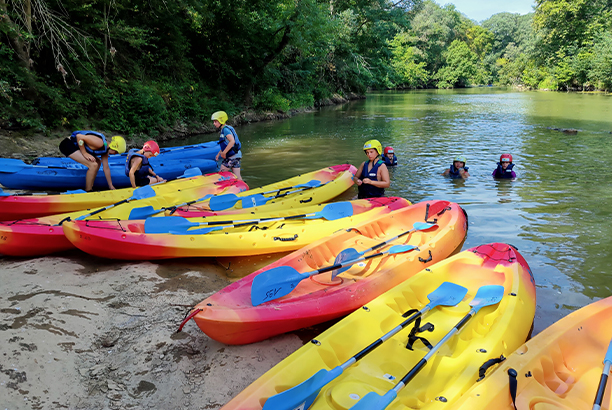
x,y
601,389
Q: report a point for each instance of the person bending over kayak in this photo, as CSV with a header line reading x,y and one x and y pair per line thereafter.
x,y
504,168
389,157
457,168
229,144
372,177
137,165
91,149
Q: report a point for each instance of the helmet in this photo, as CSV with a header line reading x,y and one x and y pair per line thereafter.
x,y
389,150
506,157
152,147
118,144
373,144
220,116
460,158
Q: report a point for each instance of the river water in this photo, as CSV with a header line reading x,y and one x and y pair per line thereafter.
x,y
556,212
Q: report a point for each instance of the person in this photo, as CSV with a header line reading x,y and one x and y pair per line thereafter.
x,y
137,165
504,167
372,177
389,157
229,144
457,168
91,149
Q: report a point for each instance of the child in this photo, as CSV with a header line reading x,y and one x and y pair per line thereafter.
x,y
390,158
458,168
91,149
137,165
229,144
372,177
504,167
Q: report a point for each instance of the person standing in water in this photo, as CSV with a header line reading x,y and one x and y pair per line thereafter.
x,y
457,168
504,168
229,144
372,177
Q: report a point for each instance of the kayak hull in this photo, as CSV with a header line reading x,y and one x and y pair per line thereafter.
x,y
559,368
229,317
495,330
129,241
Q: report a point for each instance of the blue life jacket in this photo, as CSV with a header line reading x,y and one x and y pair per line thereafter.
x,y
223,141
454,172
141,173
501,173
388,162
97,152
367,190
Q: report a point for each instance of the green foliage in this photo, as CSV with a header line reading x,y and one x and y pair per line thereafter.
x,y
460,66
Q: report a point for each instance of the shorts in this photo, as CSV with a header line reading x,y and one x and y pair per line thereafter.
x,y
68,147
231,163
142,181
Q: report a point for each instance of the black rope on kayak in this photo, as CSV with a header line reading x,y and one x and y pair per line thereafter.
x,y
120,228
278,238
486,365
304,201
435,220
513,383
413,338
426,260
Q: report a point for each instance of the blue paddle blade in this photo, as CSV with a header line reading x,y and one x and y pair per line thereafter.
x,y
274,283
143,212
608,357
76,191
201,231
421,226
10,165
374,401
165,224
345,255
191,172
143,192
310,184
2,193
252,201
486,296
447,294
223,202
302,395
333,211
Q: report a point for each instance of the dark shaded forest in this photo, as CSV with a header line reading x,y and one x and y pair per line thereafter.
x,y
143,67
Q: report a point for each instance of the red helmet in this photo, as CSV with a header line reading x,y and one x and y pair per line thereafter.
x,y
389,150
152,147
507,157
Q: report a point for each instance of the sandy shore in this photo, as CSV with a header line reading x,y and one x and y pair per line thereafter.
x,y
78,332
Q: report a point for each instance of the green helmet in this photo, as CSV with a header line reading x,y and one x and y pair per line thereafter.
x,y
220,116
460,158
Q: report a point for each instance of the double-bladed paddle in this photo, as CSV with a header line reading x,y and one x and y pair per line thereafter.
x,y
302,395
10,165
280,281
180,225
601,389
138,193
352,253
486,296
223,202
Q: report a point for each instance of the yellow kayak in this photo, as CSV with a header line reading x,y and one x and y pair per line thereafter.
x,y
365,356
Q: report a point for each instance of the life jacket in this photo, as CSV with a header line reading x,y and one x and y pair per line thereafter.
x,y
454,172
97,152
141,173
223,141
389,162
367,190
501,173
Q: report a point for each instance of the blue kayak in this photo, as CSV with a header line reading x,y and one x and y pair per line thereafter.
x,y
16,174
205,150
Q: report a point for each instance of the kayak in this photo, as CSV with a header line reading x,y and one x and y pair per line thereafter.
x,y
559,368
205,150
306,189
493,282
21,206
229,316
276,231
16,174
44,235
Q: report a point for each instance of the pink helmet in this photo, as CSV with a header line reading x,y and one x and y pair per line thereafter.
x,y
152,147
506,157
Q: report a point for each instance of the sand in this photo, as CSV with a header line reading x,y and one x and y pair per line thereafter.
x,y
79,332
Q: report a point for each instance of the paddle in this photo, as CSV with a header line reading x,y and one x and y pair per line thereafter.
x,y
601,389
176,224
280,281
10,165
223,202
302,395
138,193
352,253
258,199
486,296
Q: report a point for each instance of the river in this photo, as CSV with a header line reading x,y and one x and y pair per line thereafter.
x,y
555,212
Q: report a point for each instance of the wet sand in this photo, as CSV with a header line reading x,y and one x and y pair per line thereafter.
x,y
79,332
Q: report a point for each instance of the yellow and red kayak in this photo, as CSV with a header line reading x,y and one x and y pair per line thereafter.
x,y
230,317
45,235
350,374
557,369
327,183
130,239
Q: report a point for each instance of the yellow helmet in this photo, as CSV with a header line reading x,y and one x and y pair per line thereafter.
x,y
118,144
220,116
373,144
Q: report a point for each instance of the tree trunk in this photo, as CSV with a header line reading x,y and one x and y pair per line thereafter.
x,y
21,47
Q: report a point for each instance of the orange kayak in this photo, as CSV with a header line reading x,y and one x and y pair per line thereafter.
x,y
230,317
